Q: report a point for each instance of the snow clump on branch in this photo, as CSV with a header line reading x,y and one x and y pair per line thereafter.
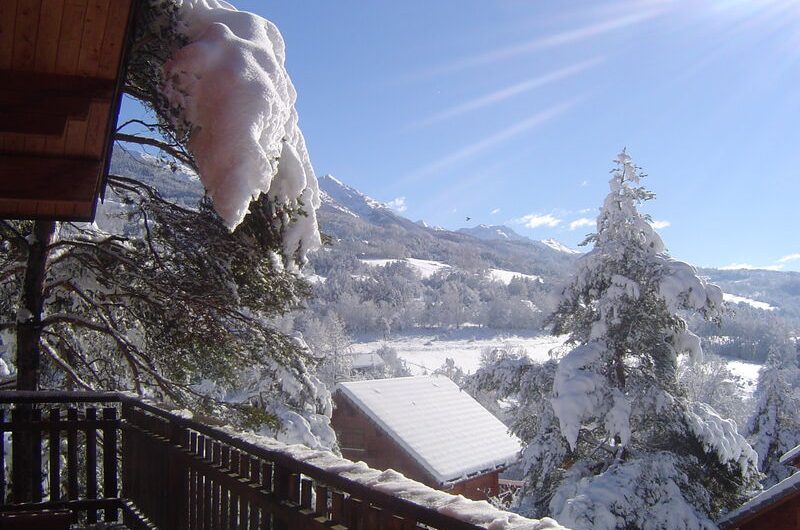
x,y
230,86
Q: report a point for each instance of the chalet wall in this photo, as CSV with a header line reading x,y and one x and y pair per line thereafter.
x,y
784,517
478,488
360,438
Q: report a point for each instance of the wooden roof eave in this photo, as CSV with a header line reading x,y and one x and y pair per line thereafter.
x,y
62,69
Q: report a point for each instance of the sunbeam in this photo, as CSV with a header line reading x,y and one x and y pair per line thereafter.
x,y
558,39
507,92
508,133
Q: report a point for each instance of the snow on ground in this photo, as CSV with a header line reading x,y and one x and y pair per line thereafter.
x,y
427,350
426,268
735,299
505,277
748,372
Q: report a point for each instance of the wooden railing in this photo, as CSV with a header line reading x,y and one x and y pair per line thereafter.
x,y
176,473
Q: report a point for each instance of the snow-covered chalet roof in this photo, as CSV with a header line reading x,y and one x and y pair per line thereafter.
x,y
443,428
777,494
790,456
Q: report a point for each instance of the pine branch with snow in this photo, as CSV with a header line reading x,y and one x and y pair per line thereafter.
x,y
774,427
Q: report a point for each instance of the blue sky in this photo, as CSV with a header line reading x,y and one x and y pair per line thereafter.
x,y
510,112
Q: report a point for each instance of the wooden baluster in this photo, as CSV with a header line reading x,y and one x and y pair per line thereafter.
x,y
207,498
353,513
337,507
225,497
280,487
321,508
244,505
233,504
55,455
178,474
20,454
91,460
266,476
393,522
216,461
255,479
199,487
371,517
306,488
110,480
129,473
36,454
72,453
193,483
266,486
294,488
3,458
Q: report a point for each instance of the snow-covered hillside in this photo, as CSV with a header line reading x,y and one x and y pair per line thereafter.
x,y
339,195
734,299
494,233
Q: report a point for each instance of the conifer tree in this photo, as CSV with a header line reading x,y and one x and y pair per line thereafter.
x,y
611,440
774,427
176,306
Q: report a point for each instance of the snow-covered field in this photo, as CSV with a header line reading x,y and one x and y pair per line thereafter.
x,y
426,350
748,372
425,267
504,276
735,299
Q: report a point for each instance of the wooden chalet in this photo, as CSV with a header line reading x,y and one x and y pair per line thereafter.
x,y
776,508
62,63
426,428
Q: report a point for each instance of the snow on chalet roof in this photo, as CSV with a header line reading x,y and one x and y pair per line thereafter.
x,y
790,455
443,428
769,497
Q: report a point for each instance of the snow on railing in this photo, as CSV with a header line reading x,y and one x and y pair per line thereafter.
x,y
179,473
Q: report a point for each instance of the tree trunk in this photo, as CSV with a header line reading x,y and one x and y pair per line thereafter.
x,y
29,320
29,331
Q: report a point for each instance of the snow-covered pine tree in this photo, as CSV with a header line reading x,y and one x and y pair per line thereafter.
x,y
640,455
774,427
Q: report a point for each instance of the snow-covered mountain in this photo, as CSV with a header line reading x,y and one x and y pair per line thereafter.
x,y
559,246
493,233
339,195
365,228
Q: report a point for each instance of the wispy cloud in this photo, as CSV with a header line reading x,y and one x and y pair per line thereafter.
x,y
495,211
535,220
658,225
397,204
583,221
508,92
490,141
550,41
790,257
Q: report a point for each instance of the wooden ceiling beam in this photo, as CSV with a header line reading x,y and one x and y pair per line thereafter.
x,y
86,86
43,179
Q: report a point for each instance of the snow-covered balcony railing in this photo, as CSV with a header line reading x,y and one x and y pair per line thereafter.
x,y
114,456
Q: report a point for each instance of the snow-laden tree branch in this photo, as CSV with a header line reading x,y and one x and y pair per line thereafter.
x,y
175,302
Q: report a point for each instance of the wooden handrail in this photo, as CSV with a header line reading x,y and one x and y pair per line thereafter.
x,y
209,473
